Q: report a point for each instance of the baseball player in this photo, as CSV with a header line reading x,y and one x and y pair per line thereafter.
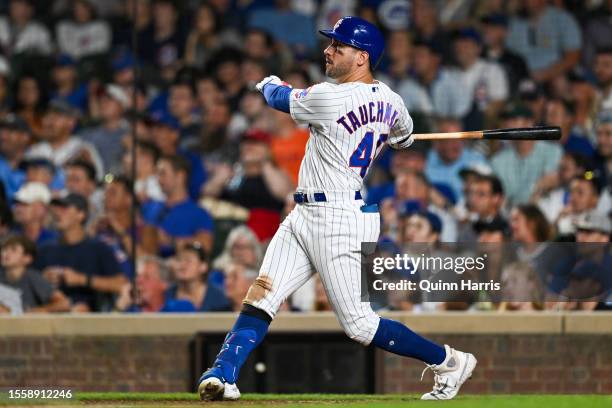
x,y
349,122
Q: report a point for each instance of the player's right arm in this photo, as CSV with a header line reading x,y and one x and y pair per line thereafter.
x,y
400,135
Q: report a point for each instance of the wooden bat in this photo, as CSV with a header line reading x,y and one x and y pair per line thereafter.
x,y
534,133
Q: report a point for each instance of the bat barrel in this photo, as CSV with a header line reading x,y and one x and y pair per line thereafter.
x,y
535,133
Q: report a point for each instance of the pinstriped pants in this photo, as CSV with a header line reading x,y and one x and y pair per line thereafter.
x,y
326,238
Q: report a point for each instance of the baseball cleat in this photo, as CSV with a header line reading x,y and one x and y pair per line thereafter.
x,y
211,386
231,392
450,375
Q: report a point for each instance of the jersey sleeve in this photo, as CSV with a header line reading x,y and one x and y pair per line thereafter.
x,y
315,105
400,136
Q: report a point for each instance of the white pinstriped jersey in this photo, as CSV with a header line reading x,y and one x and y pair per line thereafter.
x,y
349,124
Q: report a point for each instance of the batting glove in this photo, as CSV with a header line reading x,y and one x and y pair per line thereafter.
x,y
272,79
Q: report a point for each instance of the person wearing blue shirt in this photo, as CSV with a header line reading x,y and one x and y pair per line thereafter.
x,y
191,292
449,157
178,220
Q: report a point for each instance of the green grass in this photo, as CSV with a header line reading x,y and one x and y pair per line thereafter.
x,y
141,400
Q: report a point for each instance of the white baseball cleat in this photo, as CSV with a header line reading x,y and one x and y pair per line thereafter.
x,y
231,392
450,375
211,389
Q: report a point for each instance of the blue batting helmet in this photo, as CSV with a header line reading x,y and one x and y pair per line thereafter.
x,y
360,34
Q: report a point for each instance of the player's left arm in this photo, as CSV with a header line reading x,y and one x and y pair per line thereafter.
x,y
400,135
276,92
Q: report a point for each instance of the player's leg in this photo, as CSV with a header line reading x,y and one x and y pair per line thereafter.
x,y
285,268
339,265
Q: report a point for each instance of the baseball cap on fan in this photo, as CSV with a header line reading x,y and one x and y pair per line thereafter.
x,y
256,135
14,122
595,221
116,93
477,169
72,200
33,192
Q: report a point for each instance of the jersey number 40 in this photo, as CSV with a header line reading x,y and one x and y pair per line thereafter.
x,y
365,152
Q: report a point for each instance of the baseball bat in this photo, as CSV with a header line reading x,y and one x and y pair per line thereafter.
x,y
534,133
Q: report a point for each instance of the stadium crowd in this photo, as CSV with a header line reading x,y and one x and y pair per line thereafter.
x,y
88,86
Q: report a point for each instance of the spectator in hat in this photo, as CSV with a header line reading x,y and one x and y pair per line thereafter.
x,y
421,227
42,170
191,292
31,210
494,33
483,81
21,34
553,196
84,269
603,73
521,164
178,220
107,137
562,113
66,83
547,37
584,191
122,64
81,179
37,294
59,144
594,226
448,157
84,35
257,184
29,103
15,137
165,132
532,95
435,81
148,292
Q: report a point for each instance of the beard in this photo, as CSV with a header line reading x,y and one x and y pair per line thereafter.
x,y
337,70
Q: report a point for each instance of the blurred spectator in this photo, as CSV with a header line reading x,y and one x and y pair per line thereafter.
x,y
37,294
547,37
146,186
493,231
165,132
532,96
20,34
84,269
178,220
225,66
59,144
29,104
529,225
81,179
41,170
561,113
421,227
553,198
31,210
597,32
603,72
256,184
14,139
520,165
520,283
66,83
4,86
83,35
428,28
604,158
191,292
288,145
238,280
241,247
583,197
107,137
594,227
182,106
259,45
484,82
449,157
114,225
495,32
203,39
321,302
163,43
437,91
397,64
292,28
148,294
485,198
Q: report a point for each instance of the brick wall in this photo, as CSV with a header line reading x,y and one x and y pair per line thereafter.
x,y
507,363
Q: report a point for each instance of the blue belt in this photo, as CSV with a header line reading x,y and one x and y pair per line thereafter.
x,y
318,197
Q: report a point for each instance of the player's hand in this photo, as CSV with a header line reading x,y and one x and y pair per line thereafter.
x,y
272,79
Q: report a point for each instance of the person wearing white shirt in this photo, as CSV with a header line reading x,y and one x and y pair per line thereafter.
x,y
19,33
